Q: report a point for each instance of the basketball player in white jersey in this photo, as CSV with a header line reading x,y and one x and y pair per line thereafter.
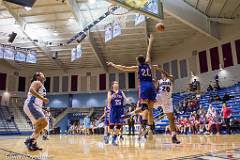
x,y
164,99
33,109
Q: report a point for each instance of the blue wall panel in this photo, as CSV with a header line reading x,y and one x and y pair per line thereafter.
x,y
85,99
58,101
89,100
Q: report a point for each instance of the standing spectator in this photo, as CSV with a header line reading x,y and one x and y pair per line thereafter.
x,y
87,125
195,85
217,86
227,114
210,88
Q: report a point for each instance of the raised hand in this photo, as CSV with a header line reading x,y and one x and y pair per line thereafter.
x,y
45,100
151,38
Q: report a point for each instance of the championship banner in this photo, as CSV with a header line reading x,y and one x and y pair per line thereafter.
x,y
139,18
116,28
108,33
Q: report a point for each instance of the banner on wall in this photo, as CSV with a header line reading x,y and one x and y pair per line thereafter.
x,y
9,53
31,57
116,28
76,53
79,51
20,56
1,51
73,54
108,33
139,18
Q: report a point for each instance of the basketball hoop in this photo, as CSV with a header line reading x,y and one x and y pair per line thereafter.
x,y
115,12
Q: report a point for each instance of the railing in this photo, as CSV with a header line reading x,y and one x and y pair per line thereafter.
x,y
7,127
15,125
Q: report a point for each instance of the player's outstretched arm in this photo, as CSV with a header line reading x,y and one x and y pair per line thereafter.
x,y
123,68
169,76
149,56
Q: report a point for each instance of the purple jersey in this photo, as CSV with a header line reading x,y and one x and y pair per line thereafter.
x,y
117,98
145,72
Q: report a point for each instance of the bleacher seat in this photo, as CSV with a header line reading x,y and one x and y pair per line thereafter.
x,y
204,101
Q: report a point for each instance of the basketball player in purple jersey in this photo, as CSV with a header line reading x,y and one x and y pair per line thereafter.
x,y
116,99
147,91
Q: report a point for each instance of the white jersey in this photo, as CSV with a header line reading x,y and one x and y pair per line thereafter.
x,y
165,87
37,101
164,96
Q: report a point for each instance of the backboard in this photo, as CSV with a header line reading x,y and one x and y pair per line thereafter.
x,y
150,8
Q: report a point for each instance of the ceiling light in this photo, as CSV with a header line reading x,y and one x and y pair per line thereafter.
x,y
6,94
55,33
71,20
91,1
28,8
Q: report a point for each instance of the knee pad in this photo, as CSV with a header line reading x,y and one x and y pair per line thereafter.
x,y
144,123
144,106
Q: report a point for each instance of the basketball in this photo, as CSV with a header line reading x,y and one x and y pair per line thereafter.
x,y
160,27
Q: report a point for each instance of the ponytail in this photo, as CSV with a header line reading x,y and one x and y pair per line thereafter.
x,y
34,78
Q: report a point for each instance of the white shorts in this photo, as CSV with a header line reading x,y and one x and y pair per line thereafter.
x,y
164,102
33,111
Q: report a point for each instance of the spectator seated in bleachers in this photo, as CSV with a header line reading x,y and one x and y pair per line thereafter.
x,y
210,88
212,121
73,129
226,97
10,118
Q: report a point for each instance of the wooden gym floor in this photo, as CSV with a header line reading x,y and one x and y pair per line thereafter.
x,y
79,147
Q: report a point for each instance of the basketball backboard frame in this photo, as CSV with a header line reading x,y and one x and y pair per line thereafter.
x,y
158,17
